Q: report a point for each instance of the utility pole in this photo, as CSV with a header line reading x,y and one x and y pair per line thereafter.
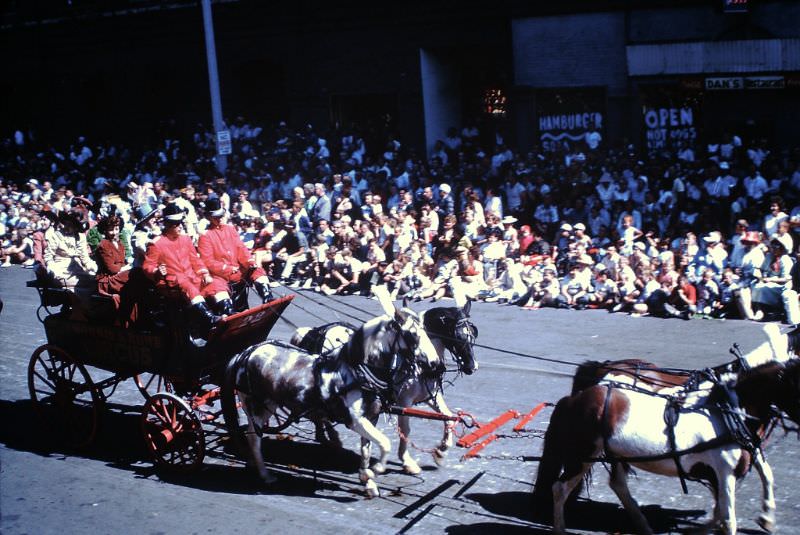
x,y
221,135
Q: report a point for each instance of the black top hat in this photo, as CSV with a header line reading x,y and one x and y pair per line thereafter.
x,y
173,214
214,207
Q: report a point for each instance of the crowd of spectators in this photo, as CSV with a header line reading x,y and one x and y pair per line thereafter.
x,y
705,231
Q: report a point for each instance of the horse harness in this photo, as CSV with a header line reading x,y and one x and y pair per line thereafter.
x,y
722,396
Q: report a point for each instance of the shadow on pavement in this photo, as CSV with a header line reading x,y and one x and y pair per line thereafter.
x,y
495,527
119,443
592,515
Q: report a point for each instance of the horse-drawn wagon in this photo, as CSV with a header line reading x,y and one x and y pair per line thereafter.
x,y
178,375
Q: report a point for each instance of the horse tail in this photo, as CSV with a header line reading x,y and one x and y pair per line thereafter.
x,y
588,374
229,395
551,463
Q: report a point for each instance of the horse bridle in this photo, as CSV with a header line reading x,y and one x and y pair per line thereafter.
x,y
413,349
465,333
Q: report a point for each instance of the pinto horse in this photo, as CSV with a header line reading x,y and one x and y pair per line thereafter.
x,y
626,426
449,329
273,375
777,348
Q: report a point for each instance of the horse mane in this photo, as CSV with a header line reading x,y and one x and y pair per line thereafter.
x,y
591,372
434,319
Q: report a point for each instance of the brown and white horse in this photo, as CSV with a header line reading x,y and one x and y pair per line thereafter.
x,y
626,427
776,348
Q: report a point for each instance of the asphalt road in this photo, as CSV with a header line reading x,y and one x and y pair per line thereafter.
x,y
111,487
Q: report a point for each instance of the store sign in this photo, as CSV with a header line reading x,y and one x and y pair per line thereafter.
x,y
734,6
572,126
666,127
744,82
224,142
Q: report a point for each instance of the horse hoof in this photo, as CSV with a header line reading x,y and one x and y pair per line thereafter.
x,y
439,457
378,468
766,522
372,490
412,469
366,475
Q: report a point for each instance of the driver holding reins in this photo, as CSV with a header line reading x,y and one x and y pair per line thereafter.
x,y
227,257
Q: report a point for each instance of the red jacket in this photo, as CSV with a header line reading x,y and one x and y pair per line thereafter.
x,y
110,258
180,257
222,250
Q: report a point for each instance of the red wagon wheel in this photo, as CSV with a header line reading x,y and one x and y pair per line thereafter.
x,y
152,383
63,395
172,432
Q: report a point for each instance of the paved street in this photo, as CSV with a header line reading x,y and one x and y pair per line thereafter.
x,y
111,487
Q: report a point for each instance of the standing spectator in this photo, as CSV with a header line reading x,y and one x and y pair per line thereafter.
x,y
322,207
775,216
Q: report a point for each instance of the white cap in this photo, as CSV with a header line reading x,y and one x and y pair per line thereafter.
x,y
445,188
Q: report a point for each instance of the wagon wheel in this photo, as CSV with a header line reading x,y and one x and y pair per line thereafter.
x,y
152,383
172,432
63,395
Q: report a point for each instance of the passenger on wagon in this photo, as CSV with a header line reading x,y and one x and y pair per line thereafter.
x,y
67,258
227,258
173,264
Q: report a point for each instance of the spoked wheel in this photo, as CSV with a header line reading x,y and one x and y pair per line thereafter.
x,y
172,432
152,383
63,395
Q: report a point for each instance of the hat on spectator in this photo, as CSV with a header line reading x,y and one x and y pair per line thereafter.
x,y
566,226
509,219
724,165
585,259
713,237
579,226
144,214
600,267
173,214
785,241
214,207
751,237
33,182
445,188
640,245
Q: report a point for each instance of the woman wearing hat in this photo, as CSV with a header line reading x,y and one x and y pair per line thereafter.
x,y
173,264
227,258
67,258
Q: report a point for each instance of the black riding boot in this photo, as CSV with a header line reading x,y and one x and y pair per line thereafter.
x,y
263,292
205,318
225,307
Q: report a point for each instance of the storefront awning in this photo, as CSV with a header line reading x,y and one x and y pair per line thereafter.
x,y
766,55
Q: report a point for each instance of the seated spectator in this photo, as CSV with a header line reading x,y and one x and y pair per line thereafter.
x,y
773,288
708,294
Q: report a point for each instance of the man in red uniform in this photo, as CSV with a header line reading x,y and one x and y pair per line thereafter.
x,y
226,257
173,264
